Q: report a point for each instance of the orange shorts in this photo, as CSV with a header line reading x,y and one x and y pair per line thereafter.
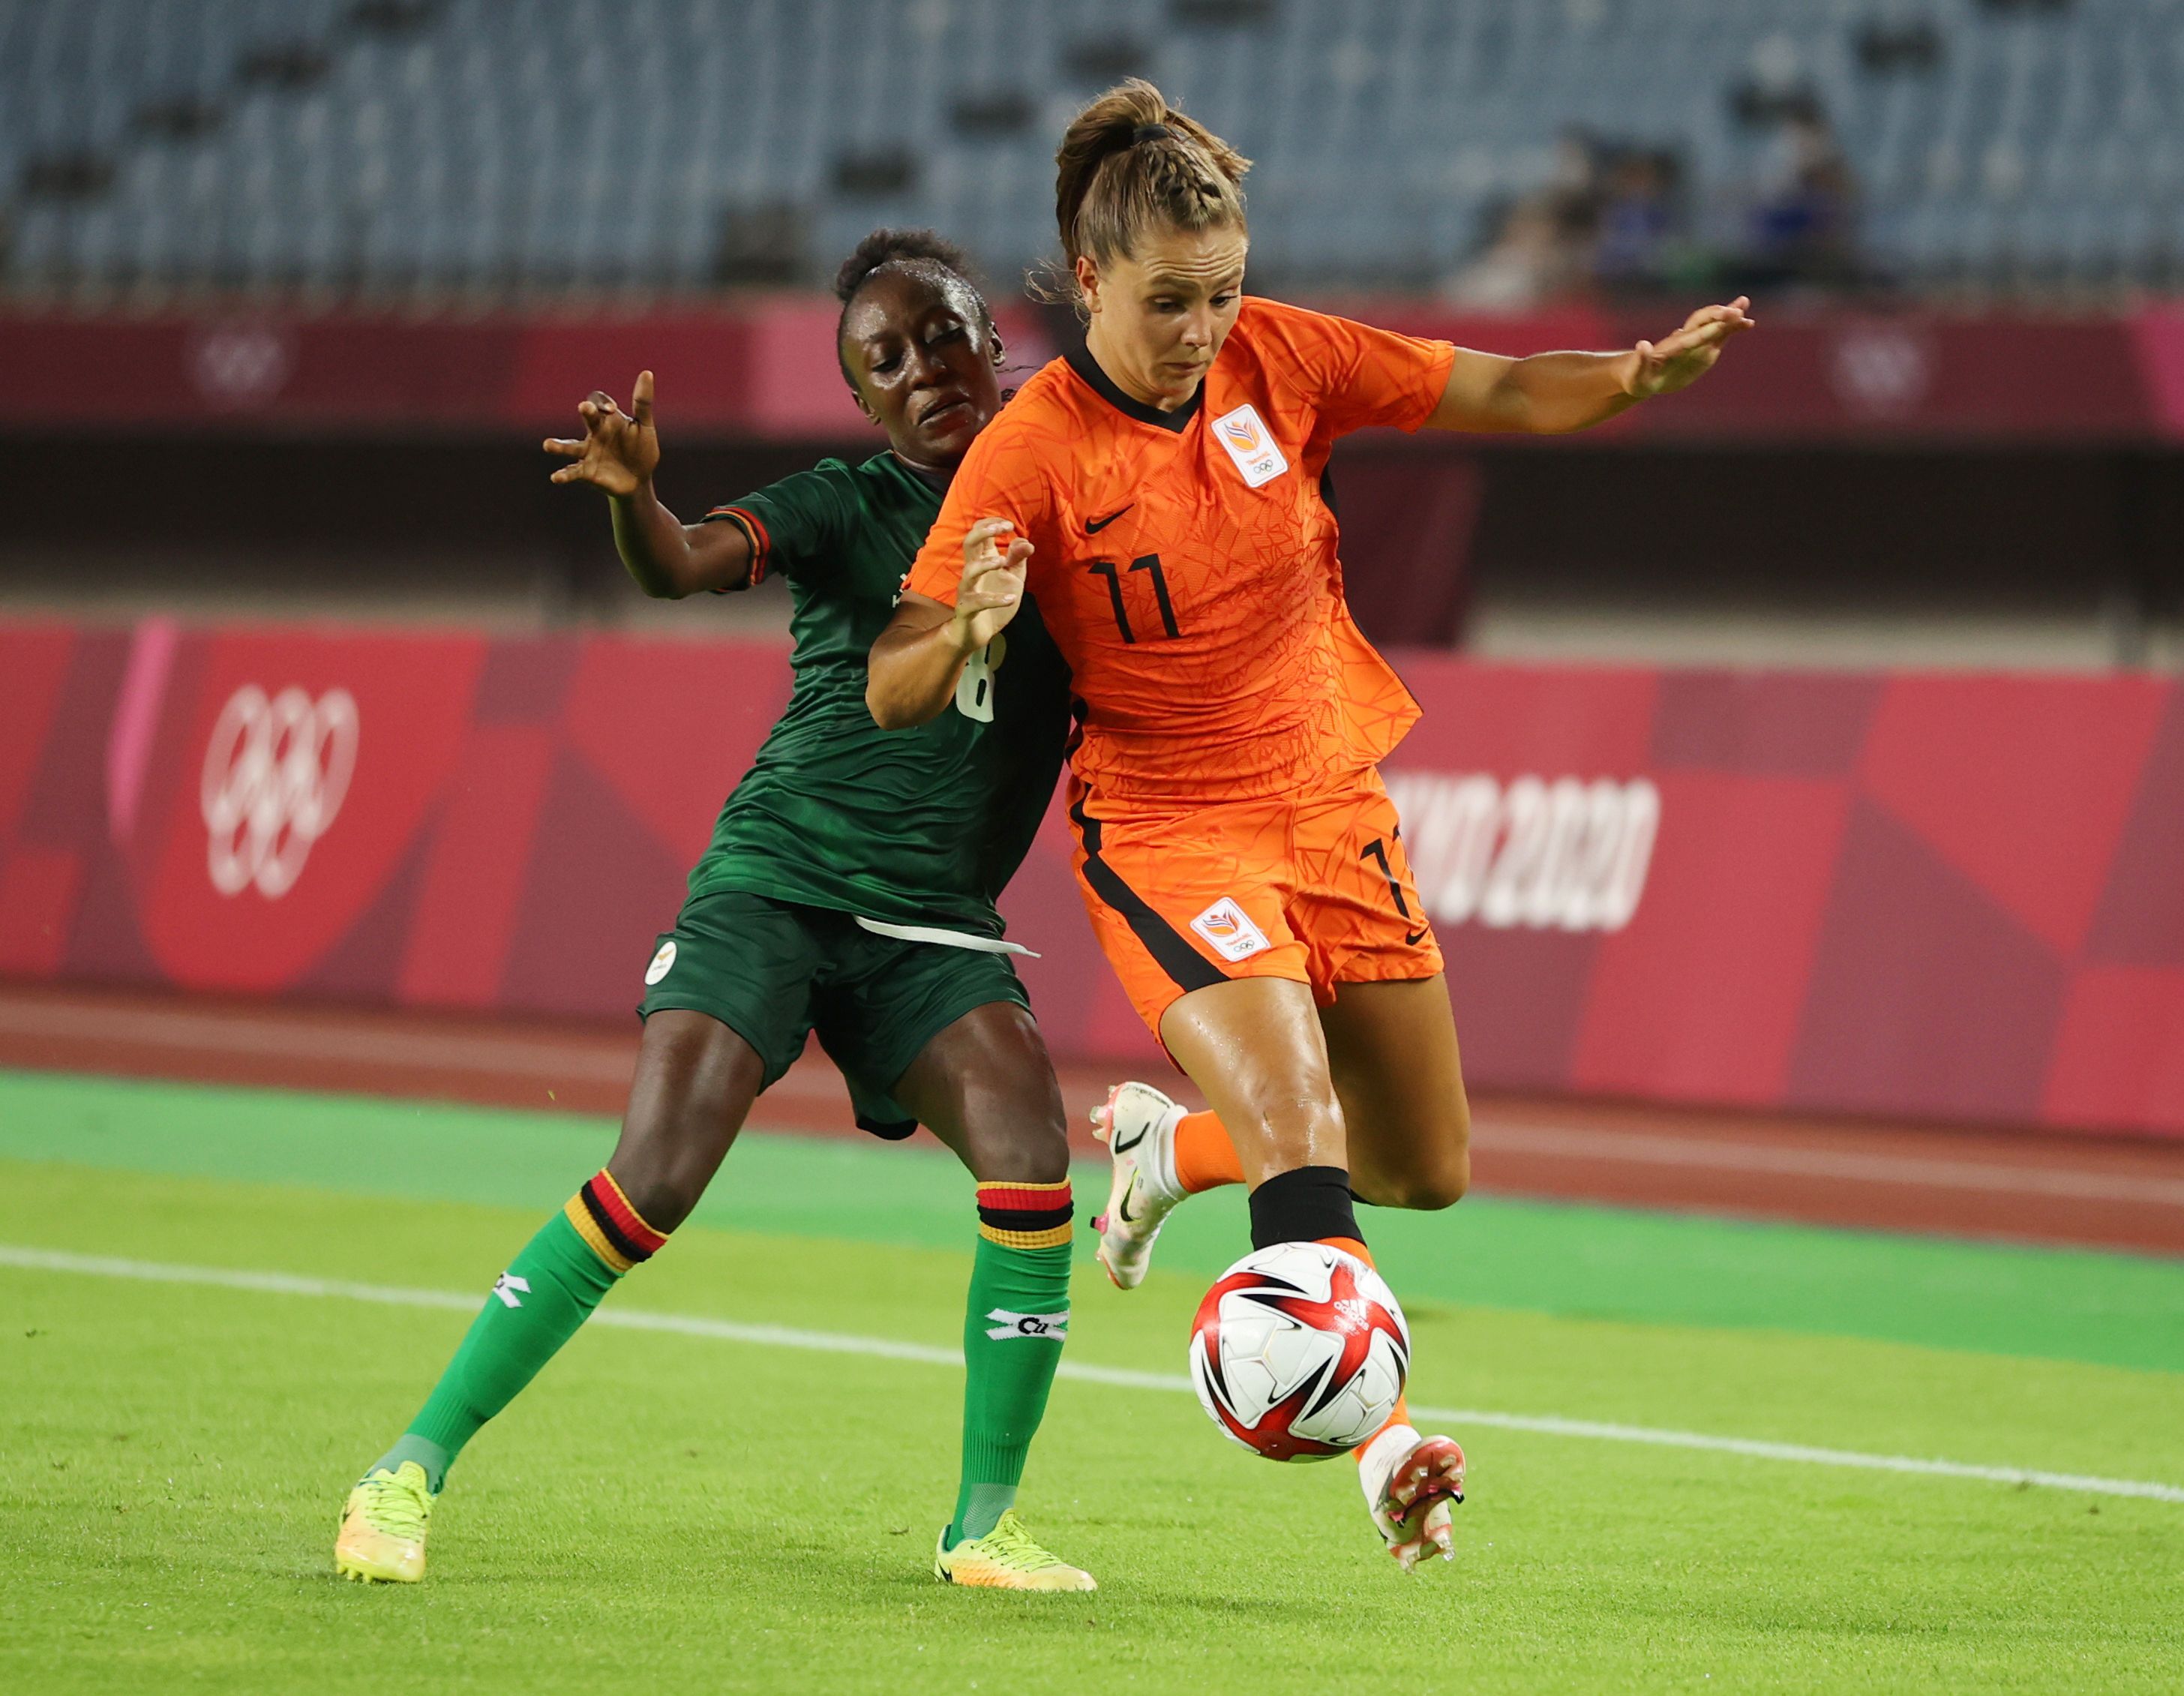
x,y
1316,889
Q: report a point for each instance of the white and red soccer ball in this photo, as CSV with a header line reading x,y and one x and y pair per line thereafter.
x,y
1300,1352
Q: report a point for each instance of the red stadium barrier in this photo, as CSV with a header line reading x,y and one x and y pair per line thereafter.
x,y
764,368
1954,897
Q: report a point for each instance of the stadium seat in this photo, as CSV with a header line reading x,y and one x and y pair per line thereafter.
x,y
265,143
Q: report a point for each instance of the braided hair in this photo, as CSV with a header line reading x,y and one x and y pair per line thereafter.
x,y
1131,164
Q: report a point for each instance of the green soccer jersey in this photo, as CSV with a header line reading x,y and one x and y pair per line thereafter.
x,y
921,826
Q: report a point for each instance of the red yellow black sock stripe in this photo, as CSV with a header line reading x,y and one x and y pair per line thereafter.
x,y
1025,1215
615,1230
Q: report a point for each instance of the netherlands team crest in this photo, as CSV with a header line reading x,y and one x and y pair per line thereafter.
x,y
1230,929
1251,444
1242,430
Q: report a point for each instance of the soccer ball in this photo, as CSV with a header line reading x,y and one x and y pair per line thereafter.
x,y
1299,1351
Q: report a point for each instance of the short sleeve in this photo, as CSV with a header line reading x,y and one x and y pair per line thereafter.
x,y
1002,477
798,526
1356,376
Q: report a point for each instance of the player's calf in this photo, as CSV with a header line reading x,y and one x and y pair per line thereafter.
x,y
550,1288
1422,1188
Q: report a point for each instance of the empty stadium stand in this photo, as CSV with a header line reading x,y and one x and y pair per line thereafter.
x,y
507,148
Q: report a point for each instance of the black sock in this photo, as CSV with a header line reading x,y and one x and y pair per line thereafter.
x,y
1307,1205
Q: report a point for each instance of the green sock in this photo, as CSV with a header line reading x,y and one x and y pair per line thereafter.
x,y
428,1454
1015,1320
549,1289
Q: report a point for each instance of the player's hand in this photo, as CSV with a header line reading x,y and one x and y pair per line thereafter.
x,y
621,451
1680,360
994,558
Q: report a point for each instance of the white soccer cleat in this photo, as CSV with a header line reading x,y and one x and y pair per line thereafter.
x,y
1411,1485
1138,1124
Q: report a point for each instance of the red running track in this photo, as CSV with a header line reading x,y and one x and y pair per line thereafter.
x,y
2028,1186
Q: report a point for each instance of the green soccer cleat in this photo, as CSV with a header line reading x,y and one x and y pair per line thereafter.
x,y
382,1539
1005,1558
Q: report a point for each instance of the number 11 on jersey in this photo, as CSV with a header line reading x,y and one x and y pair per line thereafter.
x,y
1148,562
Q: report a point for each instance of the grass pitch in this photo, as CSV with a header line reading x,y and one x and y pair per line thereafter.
x,y
684,1513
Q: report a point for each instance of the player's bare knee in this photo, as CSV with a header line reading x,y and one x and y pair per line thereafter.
x,y
1441,1186
663,1168
1303,1128
1437,1173
1455,1131
1426,1186
1045,1157
1032,1149
663,1193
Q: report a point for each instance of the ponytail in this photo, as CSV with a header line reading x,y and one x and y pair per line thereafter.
x,y
1131,164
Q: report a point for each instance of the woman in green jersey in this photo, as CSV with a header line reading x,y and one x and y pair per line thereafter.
x,y
848,890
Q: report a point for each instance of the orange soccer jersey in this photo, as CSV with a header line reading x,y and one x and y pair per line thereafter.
x,y
1186,561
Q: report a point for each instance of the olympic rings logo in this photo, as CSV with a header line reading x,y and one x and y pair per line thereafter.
x,y
275,773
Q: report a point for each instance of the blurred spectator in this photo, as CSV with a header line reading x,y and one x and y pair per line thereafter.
x,y
1531,259
1540,242
1802,227
1638,221
1610,217
1574,190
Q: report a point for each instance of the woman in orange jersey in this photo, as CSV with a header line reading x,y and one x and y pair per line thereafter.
x,y
1161,496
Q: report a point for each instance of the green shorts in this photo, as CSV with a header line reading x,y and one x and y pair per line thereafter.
x,y
774,972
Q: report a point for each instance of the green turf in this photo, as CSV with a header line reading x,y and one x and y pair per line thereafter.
x,y
1600,1261
681,1514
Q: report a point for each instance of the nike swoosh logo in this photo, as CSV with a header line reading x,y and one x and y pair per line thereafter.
x,y
1125,1147
1093,527
1411,941
1124,1207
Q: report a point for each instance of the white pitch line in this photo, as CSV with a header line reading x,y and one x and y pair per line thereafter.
x,y
1758,1450
1645,1148
884,1348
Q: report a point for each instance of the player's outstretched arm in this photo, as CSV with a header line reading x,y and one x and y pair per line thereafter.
x,y
910,676
618,454
1549,393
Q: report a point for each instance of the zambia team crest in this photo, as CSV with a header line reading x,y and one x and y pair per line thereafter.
x,y
1250,444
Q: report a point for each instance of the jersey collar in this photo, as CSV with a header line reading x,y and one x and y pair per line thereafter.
x,y
1081,361
937,482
